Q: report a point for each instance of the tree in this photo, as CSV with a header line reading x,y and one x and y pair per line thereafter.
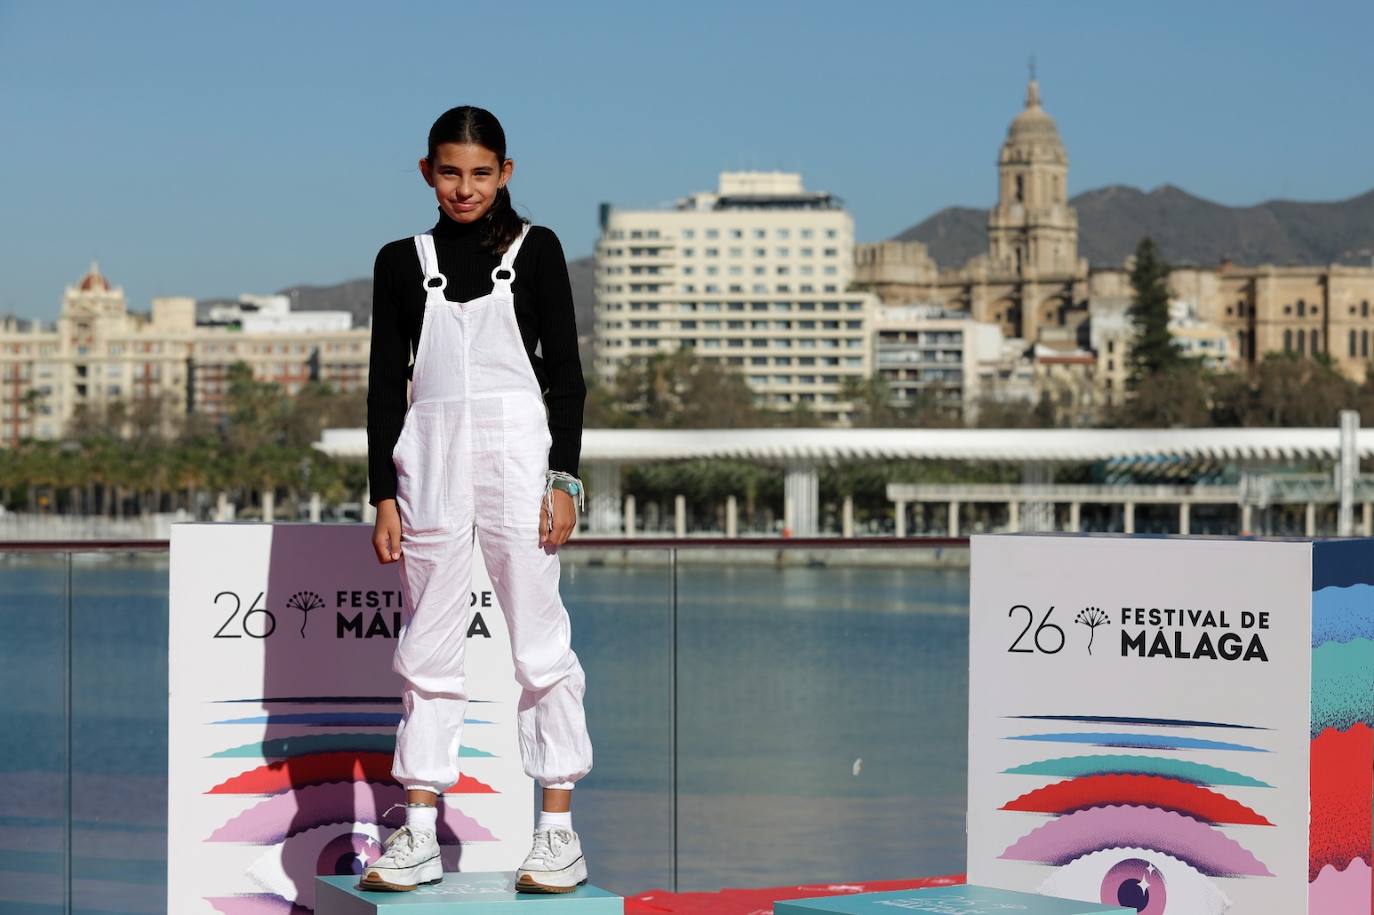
x,y
1152,350
680,391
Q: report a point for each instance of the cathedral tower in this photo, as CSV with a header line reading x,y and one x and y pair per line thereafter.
x,y
1032,232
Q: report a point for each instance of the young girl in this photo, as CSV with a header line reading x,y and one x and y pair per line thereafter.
x,y
490,443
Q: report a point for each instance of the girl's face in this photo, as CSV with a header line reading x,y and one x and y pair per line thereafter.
x,y
465,177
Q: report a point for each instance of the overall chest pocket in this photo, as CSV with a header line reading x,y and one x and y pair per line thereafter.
x,y
421,461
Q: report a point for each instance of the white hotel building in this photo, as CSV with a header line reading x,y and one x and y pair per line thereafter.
x,y
755,275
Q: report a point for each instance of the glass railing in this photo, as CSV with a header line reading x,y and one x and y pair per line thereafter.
x,y
763,713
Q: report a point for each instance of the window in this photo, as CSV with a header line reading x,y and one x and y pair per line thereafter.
x,y
689,233
783,252
1352,344
689,252
1364,344
713,233
736,233
760,233
760,252
1301,337
1314,342
1020,189
1302,308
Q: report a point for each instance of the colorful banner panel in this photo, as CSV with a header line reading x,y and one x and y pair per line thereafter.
x,y
282,713
1150,719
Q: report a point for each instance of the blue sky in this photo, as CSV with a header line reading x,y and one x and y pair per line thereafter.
x,y
212,149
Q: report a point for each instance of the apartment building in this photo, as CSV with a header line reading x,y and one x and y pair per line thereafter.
x,y
755,275
98,352
932,353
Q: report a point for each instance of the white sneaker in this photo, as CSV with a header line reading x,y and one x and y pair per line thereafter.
x,y
410,859
555,863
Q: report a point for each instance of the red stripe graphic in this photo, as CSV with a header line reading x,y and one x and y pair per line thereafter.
x,y
1138,791
322,768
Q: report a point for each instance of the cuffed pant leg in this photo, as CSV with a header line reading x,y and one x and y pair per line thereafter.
x,y
436,585
554,743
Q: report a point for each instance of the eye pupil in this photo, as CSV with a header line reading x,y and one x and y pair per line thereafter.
x,y
1131,894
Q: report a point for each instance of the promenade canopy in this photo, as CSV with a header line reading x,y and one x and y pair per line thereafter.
x,y
1250,445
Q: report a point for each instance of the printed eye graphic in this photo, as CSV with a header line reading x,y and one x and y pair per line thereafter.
x,y
1139,879
1115,853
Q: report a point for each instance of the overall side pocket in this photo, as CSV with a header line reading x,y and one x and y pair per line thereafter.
x,y
420,458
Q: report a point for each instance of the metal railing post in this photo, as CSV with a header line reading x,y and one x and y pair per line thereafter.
x,y
67,905
672,720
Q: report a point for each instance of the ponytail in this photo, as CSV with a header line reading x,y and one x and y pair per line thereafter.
x,y
502,224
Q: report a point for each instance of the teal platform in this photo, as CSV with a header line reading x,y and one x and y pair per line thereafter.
x,y
460,894
945,900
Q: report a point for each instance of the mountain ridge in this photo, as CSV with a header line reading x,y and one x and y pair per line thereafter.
x,y
1188,229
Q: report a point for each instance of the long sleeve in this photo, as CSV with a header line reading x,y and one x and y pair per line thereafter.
x,y
386,382
567,390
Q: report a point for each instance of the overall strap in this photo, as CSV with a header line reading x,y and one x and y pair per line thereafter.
x,y
429,262
507,264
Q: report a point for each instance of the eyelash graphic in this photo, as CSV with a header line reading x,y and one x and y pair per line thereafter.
x,y
322,768
1139,742
1202,847
1178,769
286,747
1136,791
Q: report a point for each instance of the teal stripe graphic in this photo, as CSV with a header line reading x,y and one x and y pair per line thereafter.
x,y
287,747
1181,770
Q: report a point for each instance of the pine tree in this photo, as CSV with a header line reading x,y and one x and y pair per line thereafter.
x,y
1153,350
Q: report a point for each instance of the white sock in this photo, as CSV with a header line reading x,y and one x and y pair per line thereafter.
x,y
422,816
561,820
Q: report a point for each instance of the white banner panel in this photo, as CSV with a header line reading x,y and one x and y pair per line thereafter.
x,y
1139,725
282,710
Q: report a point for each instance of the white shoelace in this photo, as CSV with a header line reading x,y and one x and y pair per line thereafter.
x,y
403,836
547,844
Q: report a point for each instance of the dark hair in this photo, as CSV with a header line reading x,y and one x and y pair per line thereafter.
x,y
470,124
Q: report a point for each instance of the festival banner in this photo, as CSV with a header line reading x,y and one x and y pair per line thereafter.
x,y
282,713
1150,719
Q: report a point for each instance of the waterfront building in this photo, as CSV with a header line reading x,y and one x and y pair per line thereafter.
x,y
755,276
99,353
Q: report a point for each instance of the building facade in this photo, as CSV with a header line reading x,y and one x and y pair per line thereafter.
x,y
927,352
755,276
98,353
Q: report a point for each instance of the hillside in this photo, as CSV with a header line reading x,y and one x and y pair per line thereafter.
x,y
1188,229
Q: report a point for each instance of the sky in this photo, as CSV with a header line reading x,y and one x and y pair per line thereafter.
x,y
213,149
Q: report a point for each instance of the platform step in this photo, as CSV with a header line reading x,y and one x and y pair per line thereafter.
x,y
964,900
460,894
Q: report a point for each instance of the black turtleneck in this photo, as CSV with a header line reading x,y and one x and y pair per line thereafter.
x,y
543,309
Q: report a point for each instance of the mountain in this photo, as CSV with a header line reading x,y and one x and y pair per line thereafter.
x,y
1188,229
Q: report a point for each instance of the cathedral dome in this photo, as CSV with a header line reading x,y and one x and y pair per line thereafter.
x,y
1033,124
94,280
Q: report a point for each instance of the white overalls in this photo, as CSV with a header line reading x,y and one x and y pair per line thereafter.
x,y
472,454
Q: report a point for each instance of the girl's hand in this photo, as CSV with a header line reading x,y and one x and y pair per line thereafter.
x,y
556,533
386,533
